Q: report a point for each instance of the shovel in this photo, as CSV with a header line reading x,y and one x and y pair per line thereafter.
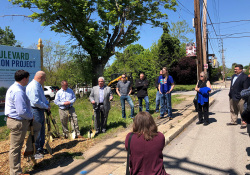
x,y
49,137
56,132
71,135
91,133
33,141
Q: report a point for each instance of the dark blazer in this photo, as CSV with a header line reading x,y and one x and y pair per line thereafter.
x,y
238,86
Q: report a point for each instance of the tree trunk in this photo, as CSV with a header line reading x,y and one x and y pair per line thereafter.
x,y
97,70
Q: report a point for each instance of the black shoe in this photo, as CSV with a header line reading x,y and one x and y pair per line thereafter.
x,y
229,124
205,123
199,122
243,126
45,151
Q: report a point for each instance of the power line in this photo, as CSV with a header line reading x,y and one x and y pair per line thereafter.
x,y
233,34
232,37
186,8
244,20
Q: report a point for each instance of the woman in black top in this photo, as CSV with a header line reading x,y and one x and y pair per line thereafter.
x,y
203,109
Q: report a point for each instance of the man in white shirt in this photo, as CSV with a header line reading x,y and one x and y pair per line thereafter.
x,y
65,98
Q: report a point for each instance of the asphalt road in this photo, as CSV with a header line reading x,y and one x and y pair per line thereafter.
x,y
213,149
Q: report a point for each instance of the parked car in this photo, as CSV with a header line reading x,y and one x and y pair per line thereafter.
x,y
49,93
228,78
83,90
56,88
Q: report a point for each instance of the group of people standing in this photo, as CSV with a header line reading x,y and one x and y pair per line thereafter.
x,y
25,107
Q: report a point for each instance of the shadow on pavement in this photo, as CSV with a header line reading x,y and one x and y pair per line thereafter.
x,y
57,160
214,92
100,158
211,113
212,120
176,163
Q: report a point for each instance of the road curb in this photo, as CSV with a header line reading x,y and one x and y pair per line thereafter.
x,y
171,134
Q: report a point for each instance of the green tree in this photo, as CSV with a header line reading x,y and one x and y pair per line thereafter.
x,y
179,30
170,50
7,37
135,59
99,26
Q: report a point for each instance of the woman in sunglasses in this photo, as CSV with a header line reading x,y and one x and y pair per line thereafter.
x,y
203,87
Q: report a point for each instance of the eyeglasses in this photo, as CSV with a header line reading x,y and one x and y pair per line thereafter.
x,y
123,77
201,76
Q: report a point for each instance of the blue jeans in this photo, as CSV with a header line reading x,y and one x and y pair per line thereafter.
x,y
130,102
166,102
39,117
146,101
157,101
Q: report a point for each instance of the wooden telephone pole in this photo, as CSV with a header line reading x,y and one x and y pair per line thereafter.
x,y
197,23
204,34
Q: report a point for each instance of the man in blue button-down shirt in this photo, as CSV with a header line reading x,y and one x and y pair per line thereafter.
x,y
65,98
39,104
18,110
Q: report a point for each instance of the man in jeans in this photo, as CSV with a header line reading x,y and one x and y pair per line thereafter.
x,y
142,91
39,104
166,85
124,89
157,99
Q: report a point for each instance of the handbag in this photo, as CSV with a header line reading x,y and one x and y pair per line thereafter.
x,y
129,140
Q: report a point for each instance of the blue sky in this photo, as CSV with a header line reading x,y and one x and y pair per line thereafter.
x,y
236,49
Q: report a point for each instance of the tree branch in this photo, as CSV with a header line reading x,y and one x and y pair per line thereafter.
x,y
16,15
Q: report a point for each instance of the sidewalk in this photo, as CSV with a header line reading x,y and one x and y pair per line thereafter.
x,y
109,156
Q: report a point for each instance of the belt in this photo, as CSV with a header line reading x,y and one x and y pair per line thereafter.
x,y
14,119
100,103
36,108
66,108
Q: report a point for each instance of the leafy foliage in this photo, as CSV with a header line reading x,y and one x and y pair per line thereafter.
x,y
99,26
185,71
135,59
180,29
7,37
170,50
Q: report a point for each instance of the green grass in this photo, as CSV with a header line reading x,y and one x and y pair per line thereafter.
x,y
184,87
84,111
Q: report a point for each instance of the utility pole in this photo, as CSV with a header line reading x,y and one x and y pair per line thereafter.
x,y
197,23
223,62
204,34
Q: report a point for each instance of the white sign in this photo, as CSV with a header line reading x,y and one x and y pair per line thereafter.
x,y
13,59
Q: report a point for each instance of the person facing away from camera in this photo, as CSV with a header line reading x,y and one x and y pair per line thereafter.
x,y
146,146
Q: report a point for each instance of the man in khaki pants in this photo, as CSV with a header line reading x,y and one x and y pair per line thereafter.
x,y
65,98
18,110
238,83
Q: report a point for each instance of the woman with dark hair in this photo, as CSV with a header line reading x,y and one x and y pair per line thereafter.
x,y
146,147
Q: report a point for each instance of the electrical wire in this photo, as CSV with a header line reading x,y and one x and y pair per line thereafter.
x,y
185,8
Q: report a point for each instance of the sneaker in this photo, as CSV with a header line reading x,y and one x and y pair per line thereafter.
x,y
38,156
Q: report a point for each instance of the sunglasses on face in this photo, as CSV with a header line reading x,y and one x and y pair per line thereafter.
x,y
123,77
201,76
